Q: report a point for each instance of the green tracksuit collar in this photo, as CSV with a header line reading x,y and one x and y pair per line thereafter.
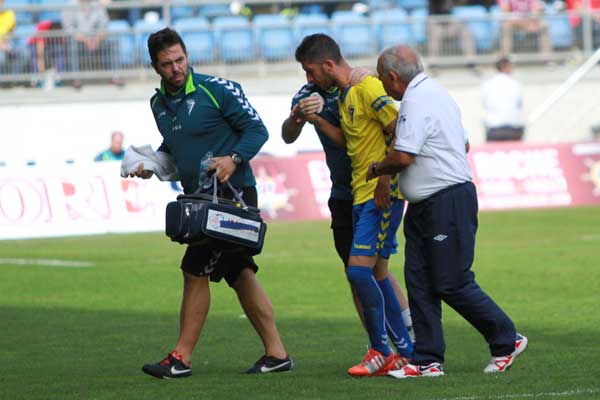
x,y
189,85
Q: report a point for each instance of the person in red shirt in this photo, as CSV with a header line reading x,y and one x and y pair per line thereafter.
x,y
576,7
526,18
48,47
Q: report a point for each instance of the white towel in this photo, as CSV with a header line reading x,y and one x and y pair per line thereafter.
x,y
161,163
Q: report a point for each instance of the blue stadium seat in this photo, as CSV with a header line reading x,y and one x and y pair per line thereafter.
x,y
142,31
198,38
52,15
214,10
479,24
274,36
21,34
410,5
392,27
376,5
353,33
559,29
23,17
234,35
181,10
22,62
308,24
418,22
123,38
311,9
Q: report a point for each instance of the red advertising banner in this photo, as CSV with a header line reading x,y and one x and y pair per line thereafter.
x,y
57,200
510,175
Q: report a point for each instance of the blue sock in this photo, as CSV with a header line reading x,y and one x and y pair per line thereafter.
x,y
396,329
373,306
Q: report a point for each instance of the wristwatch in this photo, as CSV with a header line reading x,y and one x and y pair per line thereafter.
x,y
374,168
237,159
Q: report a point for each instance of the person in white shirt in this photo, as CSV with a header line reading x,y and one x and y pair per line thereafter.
x,y
502,97
441,222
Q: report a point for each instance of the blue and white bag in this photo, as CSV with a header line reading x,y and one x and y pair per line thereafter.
x,y
223,224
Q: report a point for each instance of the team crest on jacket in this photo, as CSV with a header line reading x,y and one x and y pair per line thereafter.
x,y
190,105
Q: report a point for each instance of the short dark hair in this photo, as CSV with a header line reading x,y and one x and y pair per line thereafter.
x,y
502,62
163,39
317,48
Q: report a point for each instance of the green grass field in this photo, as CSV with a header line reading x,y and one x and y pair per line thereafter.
x,y
84,333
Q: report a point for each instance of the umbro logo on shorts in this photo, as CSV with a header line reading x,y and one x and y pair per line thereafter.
x,y
440,237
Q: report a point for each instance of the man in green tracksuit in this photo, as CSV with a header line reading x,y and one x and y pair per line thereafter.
x,y
197,114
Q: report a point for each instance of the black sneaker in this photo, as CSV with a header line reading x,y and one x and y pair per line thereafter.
x,y
170,367
271,364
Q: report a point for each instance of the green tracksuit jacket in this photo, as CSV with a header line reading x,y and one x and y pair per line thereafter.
x,y
213,115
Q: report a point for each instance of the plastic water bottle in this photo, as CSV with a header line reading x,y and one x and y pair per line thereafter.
x,y
204,179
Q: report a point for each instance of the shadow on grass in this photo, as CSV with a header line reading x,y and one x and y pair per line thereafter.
x,y
75,354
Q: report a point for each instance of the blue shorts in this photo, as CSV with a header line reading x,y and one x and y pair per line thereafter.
x,y
375,229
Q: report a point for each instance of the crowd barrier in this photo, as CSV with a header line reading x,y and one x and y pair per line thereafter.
x,y
93,199
471,35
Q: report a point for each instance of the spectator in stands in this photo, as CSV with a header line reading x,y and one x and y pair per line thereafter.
x,y
578,6
8,22
503,104
526,19
48,48
443,26
115,152
90,50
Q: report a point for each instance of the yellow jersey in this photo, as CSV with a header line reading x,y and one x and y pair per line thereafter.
x,y
7,23
365,110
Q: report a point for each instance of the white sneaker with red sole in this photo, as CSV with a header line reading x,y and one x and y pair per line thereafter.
x,y
503,364
414,371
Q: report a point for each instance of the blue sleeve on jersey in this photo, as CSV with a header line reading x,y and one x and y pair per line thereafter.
x,y
304,91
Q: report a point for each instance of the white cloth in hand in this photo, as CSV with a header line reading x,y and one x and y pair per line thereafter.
x,y
161,163
321,101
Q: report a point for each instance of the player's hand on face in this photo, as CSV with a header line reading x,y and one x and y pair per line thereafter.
x,y
383,193
140,172
224,167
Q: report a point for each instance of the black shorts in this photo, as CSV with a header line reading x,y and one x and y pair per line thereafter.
x,y
504,133
341,224
202,260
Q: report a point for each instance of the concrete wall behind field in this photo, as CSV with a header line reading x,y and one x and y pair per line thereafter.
x,y
67,124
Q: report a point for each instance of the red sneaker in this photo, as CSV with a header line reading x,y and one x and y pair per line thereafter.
x,y
373,363
399,363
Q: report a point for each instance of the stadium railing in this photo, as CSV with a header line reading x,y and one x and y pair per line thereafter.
x,y
268,40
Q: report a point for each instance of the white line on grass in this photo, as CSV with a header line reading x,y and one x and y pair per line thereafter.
x,y
590,238
568,393
46,262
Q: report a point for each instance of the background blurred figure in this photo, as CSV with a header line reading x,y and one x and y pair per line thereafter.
x,y
8,22
48,50
90,49
503,104
440,29
115,151
527,19
578,6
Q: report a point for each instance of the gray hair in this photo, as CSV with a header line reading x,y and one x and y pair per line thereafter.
x,y
402,60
